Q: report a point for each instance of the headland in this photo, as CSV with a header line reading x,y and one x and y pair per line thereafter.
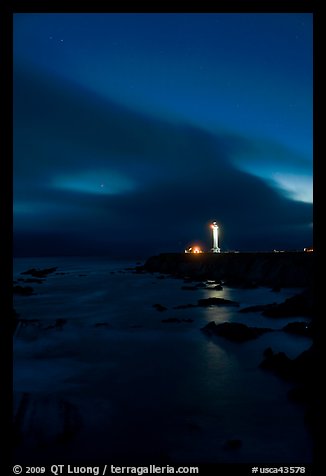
x,y
283,269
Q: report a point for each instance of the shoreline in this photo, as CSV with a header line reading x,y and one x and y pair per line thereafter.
x,y
282,269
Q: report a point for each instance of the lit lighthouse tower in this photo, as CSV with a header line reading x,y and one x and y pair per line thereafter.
x,y
215,248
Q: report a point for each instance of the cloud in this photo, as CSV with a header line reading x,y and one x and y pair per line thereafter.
x,y
162,182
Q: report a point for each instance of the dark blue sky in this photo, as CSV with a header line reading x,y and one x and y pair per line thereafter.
x,y
133,131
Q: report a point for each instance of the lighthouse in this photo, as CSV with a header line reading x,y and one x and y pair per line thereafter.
x,y
215,248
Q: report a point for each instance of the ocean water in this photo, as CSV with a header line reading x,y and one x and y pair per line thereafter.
x,y
115,383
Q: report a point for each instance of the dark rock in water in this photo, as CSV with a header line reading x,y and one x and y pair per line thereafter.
x,y
159,307
187,320
23,290
278,363
40,273
258,308
102,324
218,287
185,306
268,352
300,368
299,305
301,372
234,444
171,319
216,302
299,328
234,331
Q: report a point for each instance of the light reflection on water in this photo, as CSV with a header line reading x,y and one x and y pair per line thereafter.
x,y
184,392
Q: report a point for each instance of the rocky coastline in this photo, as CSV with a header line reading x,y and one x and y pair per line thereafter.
x,y
281,269
248,270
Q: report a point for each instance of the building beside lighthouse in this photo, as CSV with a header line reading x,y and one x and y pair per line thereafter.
x,y
215,238
215,242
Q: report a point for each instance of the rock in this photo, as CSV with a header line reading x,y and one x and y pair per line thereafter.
x,y
218,287
299,328
187,320
234,331
301,372
268,352
23,290
300,368
40,273
258,308
298,305
159,307
278,363
216,302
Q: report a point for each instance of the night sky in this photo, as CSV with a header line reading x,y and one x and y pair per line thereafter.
x,y
132,132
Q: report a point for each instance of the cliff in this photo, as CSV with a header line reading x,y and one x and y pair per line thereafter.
x,y
284,269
